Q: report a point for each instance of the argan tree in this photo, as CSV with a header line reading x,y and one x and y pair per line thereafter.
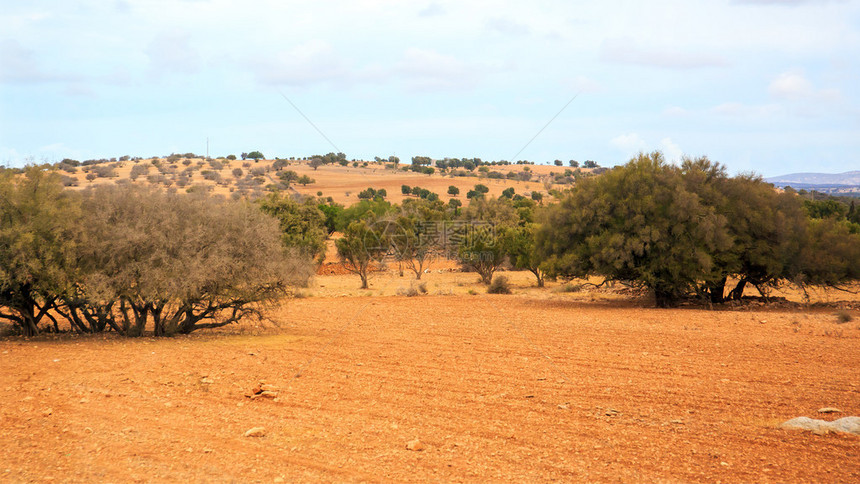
x,y
636,223
37,240
302,223
365,242
178,262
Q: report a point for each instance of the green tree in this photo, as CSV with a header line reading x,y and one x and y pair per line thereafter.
x,y
636,223
255,155
38,231
519,244
453,190
364,242
415,233
480,224
302,224
305,180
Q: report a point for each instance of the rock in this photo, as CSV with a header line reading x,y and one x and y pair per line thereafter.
x,y
848,425
611,412
415,445
255,432
829,410
207,381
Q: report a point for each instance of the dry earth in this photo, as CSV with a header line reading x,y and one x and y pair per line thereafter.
x,y
535,386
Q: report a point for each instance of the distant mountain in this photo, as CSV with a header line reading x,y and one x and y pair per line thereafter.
x,y
807,180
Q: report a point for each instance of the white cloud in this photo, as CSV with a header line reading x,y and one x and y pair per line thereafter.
x,y
795,85
671,150
747,111
507,26
306,63
432,10
426,69
19,64
627,51
585,84
629,143
675,111
171,52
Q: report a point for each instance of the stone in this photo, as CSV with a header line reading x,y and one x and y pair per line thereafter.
x,y
255,432
829,410
415,445
207,381
848,425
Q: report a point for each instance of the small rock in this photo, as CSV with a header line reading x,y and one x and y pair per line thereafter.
x,y
415,445
848,425
611,412
255,432
563,406
207,380
279,480
84,400
677,421
48,411
829,410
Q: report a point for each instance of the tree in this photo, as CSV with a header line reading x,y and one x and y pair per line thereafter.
x,y
180,262
415,233
508,192
519,245
305,180
255,155
37,242
573,163
316,162
636,223
558,163
406,189
452,190
590,164
479,247
302,224
364,242
537,196
481,188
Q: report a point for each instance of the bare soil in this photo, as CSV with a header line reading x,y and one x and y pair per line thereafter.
x,y
535,386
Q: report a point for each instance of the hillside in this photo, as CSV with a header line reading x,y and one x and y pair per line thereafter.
x,y
250,179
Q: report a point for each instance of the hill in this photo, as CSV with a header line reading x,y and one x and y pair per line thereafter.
x,y
807,180
250,179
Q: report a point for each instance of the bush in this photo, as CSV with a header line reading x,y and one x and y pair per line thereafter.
x,y
499,286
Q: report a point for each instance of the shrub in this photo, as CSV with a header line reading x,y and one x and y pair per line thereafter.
x,y
499,286
843,317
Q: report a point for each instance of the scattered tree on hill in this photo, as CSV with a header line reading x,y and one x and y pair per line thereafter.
x,y
452,190
590,164
255,155
305,180
558,163
406,189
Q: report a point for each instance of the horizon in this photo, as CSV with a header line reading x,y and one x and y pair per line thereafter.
x,y
764,86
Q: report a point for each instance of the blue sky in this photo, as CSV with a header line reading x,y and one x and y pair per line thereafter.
x,y
771,86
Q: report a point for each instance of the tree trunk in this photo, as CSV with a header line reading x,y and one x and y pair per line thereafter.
x,y
716,290
539,275
738,292
363,276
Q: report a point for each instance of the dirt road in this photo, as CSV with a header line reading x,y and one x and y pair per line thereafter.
x,y
496,388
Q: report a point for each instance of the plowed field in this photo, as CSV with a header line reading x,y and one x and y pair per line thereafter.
x,y
496,388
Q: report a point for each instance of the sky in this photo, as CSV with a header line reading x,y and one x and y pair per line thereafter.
x,y
764,86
